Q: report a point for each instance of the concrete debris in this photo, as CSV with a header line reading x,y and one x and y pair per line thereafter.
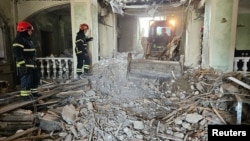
x,y
193,117
138,125
50,126
69,114
229,88
110,107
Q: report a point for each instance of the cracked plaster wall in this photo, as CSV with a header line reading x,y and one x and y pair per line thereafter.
x,y
193,45
219,38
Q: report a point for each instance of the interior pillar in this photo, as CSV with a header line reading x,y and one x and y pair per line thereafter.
x,y
220,22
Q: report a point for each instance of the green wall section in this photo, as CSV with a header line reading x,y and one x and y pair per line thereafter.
x,y
220,49
243,32
80,11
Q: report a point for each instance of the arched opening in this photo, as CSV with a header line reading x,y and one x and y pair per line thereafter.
x,y
52,31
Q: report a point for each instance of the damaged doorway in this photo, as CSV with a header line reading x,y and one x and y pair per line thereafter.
x,y
52,30
46,43
127,33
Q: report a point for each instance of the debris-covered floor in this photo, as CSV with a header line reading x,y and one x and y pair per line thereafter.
x,y
109,106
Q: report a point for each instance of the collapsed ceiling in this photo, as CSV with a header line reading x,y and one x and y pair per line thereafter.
x,y
135,6
149,2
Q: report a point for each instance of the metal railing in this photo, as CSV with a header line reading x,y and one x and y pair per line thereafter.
x,y
242,64
55,68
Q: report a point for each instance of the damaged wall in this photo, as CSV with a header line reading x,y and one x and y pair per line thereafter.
x,y
219,38
7,31
107,35
50,26
94,45
7,13
128,33
52,34
205,43
34,6
193,45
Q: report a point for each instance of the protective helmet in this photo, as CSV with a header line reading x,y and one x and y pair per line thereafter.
x,y
24,26
84,26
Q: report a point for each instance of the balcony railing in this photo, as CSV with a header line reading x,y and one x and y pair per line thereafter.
x,y
55,68
242,64
62,68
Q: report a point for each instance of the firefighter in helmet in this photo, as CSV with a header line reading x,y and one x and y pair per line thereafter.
x,y
25,54
81,50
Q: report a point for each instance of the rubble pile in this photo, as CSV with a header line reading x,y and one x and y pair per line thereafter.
x,y
110,106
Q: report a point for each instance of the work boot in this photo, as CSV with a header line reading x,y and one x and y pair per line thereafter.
x,y
88,73
27,98
80,76
36,95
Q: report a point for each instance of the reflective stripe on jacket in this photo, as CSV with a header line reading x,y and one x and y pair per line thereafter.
x,y
24,50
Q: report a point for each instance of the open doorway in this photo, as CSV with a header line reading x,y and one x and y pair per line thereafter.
x,y
144,30
128,26
53,32
46,43
144,24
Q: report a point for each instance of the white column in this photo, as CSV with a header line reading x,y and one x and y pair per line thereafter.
x,y
219,34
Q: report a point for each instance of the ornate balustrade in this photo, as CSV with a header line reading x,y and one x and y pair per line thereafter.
x,y
55,68
242,64
62,68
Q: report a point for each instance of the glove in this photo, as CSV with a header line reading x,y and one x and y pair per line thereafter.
x,y
89,39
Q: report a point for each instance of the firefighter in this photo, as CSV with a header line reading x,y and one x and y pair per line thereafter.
x,y
81,50
25,54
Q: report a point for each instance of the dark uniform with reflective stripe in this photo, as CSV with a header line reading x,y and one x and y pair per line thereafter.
x,y
82,52
25,53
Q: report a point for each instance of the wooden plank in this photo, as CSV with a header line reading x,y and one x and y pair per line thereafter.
x,y
40,137
18,123
15,127
47,94
19,104
15,105
21,134
17,118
